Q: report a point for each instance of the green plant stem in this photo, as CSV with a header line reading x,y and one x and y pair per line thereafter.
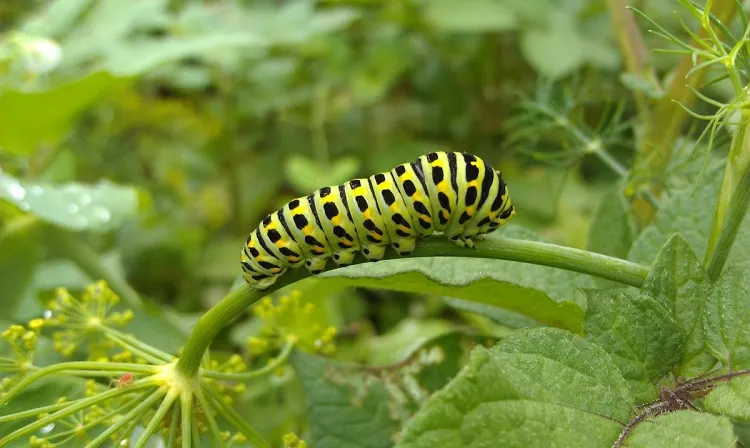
x,y
286,351
667,118
78,406
234,418
72,367
633,48
734,199
69,245
153,424
133,414
533,252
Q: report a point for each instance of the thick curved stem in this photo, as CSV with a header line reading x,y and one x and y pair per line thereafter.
x,y
533,252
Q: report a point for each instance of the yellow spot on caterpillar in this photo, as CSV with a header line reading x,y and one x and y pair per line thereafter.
x,y
470,209
375,235
346,243
336,220
367,214
359,191
442,186
308,230
394,207
298,211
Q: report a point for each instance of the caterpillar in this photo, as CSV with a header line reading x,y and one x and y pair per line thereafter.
x,y
451,192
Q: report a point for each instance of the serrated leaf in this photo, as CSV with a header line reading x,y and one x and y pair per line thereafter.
x,y
691,215
545,385
731,399
344,410
679,282
469,16
726,317
684,429
612,229
73,206
29,119
20,253
545,294
639,334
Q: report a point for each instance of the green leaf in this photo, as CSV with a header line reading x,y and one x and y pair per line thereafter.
x,y
545,294
20,254
731,399
691,215
406,337
73,206
472,16
556,51
638,332
30,119
499,315
726,317
612,229
345,410
684,429
678,281
542,385
305,175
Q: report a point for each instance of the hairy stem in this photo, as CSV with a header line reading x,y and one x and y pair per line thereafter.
x,y
524,251
734,199
69,245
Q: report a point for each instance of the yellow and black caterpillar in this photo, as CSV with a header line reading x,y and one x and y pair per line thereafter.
x,y
450,192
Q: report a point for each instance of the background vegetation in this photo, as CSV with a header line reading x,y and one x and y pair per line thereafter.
x,y
141,140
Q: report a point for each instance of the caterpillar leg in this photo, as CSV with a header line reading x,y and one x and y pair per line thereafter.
x,y
404,246
316,265
344,257
462,240
373,252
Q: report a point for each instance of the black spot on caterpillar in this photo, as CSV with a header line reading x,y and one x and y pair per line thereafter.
x,y
450,192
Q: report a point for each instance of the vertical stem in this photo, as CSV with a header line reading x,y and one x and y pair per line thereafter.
x,y
633,48
211,323
667,120
734,199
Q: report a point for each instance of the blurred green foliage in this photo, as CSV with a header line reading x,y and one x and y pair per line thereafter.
x,y
161,132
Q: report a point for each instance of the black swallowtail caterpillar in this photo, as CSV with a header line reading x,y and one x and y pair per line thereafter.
x,y
450,192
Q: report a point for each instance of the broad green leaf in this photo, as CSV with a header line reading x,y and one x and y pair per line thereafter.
x,y
555,51
20,254
306,175
639,334
545,294
691,215
29,119
74,206
612,230
142,57
472,16
731,399
726,317
406,337
677,280
684,429
502,316
346,408
542,385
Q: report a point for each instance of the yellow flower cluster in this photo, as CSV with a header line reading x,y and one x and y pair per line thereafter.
x,y
291,321
82,320
291,440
